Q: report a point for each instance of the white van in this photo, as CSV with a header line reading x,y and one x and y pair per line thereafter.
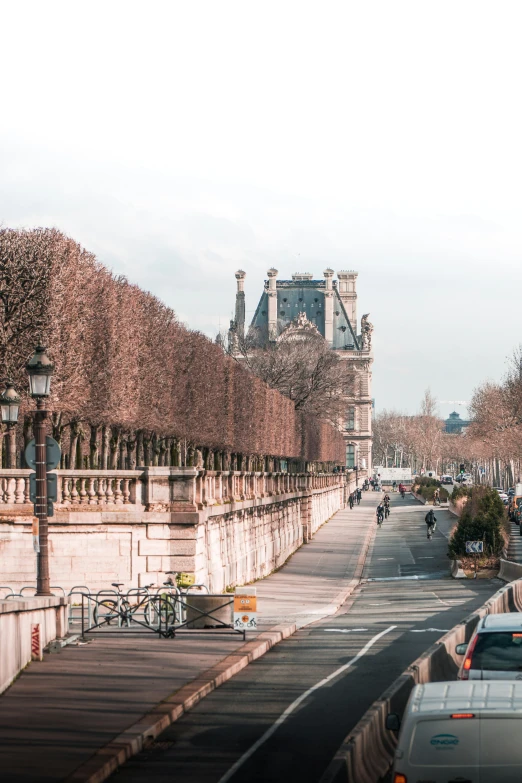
x,y
460,731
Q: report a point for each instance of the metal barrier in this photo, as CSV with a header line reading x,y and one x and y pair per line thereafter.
x,y
167,615
9,591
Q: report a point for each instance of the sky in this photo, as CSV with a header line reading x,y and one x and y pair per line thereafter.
x,y
180,141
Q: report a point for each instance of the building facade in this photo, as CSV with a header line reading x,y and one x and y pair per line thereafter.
x,y
329,307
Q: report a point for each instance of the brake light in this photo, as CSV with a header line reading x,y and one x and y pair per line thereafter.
x,y
462,715
399,778
466,666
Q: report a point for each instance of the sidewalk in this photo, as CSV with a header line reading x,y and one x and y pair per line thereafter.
x,y
58,717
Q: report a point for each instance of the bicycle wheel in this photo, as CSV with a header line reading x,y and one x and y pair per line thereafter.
x,y
105,611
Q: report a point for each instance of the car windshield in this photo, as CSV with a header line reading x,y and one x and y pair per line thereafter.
x,y
498,651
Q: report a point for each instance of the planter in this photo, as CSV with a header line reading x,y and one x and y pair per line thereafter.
x,y
210,604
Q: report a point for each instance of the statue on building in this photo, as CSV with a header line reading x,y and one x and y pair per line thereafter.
x,y
366,332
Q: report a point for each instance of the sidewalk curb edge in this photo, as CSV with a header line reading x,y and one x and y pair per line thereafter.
x,y
131,741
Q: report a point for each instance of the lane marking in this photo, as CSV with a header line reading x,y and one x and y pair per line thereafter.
x,y
344,630
425,630
281,719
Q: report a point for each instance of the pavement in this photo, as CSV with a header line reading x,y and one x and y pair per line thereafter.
x,y
284,716
96,702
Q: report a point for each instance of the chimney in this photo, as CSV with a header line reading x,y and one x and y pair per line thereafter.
x,y
272,304
348,294
240,303
328,306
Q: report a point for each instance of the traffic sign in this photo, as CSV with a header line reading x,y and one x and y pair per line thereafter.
x,y
474,547
245,608
53,453
52,487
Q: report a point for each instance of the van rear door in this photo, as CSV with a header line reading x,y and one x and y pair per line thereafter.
x,y
442,748
500,750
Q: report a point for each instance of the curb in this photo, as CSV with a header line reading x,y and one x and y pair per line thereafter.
x,y
130,742
107,759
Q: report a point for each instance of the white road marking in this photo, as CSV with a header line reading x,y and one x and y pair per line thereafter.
x,y
426,557
344,630
425,630
281,719
385,558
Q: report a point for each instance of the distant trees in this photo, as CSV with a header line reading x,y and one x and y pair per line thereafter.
x,y
417,441
132,385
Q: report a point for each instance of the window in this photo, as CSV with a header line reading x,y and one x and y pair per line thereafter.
x,y
349,424
350,456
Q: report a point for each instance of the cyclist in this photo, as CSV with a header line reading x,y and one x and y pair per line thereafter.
x,y
380,514
386,506
402,489
431,523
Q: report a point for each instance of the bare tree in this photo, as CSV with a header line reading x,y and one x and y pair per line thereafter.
x,y
303,368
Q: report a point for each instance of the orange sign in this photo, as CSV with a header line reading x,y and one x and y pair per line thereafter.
x,y
245,603
36,524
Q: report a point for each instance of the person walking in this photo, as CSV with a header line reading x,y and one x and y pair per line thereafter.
x,y
358,497
350,500
436,498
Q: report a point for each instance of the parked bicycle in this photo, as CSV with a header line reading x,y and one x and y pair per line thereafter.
x,y
120,609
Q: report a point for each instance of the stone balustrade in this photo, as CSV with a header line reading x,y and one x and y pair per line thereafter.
x,y
226,527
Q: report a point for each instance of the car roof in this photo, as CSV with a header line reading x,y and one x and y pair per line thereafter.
x,y
504,621
499,695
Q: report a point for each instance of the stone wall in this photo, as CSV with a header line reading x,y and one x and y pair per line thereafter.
x,y
16,621
226,528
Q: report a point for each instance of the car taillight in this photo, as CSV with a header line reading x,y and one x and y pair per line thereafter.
x,y
463,715
399,778
466,666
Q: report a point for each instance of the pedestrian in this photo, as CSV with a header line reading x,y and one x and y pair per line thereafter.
x,y
436,498
359,494
350,500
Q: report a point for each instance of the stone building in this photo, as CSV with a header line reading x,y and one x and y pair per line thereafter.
x,y
329,307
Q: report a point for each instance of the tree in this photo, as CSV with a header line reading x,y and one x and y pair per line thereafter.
x,y
302,367
132,384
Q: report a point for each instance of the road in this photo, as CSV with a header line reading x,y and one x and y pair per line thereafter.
x,y
285,715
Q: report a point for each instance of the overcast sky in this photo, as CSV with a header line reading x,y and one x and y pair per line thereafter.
x,y
180,141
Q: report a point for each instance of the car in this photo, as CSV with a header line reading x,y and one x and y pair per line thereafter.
x,y
498,489
459,731
511,491
494,651
503,496
446,479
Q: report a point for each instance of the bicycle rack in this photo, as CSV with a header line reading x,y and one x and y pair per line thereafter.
x,y
77,590
9,591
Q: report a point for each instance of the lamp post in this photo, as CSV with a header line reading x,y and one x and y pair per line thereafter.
x,y
40,370
10,405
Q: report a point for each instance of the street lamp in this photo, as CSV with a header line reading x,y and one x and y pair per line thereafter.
x,y
10,405
40,370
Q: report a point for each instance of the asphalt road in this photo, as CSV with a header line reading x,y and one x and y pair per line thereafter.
x,y
284,716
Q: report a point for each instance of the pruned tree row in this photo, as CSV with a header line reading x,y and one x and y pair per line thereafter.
x,y
132,385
